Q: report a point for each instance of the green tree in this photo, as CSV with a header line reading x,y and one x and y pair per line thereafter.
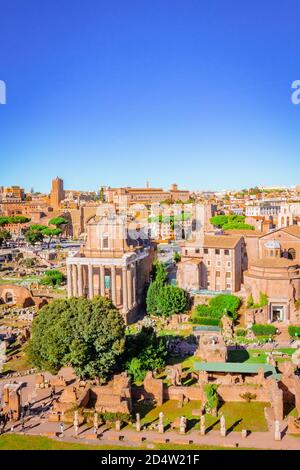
x,y
171,300
86,334
51,233
164,299
34,236
4,235
144,351
58,221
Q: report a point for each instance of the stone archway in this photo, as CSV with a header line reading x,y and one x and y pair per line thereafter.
x,y
8,298
291,253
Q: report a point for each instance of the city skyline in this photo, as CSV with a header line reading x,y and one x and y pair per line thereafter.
x,y
181,93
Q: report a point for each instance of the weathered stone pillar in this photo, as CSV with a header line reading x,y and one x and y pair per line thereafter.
x,y
277,433
161,428
129,287
138,422
202,424
102,281
223,426
90,281
134,284
113,285
80,285
69,279
124,289
182,426
74,276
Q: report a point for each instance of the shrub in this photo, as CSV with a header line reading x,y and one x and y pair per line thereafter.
x,y
294,331
52,278
261,330
248,396
241,332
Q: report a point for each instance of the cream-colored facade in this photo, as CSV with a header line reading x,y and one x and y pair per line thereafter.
x,y
115,263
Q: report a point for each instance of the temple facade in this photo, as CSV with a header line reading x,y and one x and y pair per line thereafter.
x,y
115,262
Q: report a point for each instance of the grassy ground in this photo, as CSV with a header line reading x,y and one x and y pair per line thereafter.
x,y
238,415
17,442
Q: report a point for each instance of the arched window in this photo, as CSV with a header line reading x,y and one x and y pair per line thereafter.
x,y
282,221
9,298
292,253
287,221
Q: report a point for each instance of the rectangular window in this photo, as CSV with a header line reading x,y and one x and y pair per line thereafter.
x,y
218,274
206,251
226,252
217,251
197,250
228,286
228,274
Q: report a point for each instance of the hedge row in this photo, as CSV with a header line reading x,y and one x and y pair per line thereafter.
x,y
206,321
260,330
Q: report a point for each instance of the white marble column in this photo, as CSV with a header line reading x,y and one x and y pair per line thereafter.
x,y
90,281
69,280
124,289
113,285
80,283
102,281
74,277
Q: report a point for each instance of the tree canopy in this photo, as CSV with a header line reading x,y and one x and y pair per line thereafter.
x,y
231,222
86,334
144,351
4,235
164,299
15,219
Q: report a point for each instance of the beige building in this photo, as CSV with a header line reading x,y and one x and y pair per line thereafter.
x,y
125,196
115,262
213,263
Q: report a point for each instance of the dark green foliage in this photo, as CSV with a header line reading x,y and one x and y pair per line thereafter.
x,y
16,219
52,278
144,351
177,257
4,235
163,299
294,331
86,334
261,330
58,221
34,236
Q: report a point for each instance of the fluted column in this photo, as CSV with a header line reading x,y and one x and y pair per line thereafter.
x,y
113,285
74,277
134,284
90,281
102,281
69,280
124,289
129,287
80,284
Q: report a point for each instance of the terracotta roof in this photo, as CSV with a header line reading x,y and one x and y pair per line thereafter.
x,y
292,230
221,241
274,263
248,233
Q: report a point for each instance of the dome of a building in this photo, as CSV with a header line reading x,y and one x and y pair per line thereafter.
x,y
273,245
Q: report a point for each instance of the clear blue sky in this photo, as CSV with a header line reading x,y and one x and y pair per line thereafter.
x,y
118,92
